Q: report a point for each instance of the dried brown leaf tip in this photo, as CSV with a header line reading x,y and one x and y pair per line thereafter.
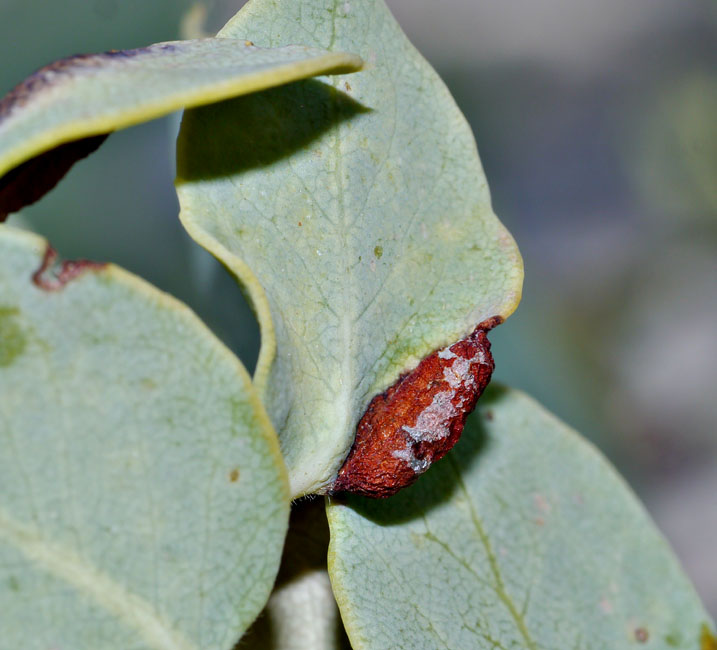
x,y
49,278
418,419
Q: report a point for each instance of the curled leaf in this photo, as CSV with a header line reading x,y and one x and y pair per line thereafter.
x,y
84,97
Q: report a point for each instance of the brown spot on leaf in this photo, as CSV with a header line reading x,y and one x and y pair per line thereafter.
x,y
50,279
641,635
418,420
34,178
234,475
707,639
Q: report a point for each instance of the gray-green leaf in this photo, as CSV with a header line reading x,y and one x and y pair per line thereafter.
x,y
522,537
91,95
355,212
143,497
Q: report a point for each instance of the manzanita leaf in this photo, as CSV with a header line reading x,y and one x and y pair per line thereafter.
x,y
522,537
143,499
94,94
355,212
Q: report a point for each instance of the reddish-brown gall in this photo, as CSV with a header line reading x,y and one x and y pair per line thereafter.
x,y
418,420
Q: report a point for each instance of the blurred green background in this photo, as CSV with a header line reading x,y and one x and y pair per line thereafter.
x,y
597,127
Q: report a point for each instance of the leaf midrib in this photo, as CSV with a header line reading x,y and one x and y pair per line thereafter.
x,y
499,585
98,587
348,367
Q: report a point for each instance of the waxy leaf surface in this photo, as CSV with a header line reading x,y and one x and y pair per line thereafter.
x,y
523,537
94,94
144,501
356,214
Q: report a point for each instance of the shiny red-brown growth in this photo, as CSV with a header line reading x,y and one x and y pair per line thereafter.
x,y
69,270
418,419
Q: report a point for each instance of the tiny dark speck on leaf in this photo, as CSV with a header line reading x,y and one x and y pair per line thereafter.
x,y
122,54
488,415
707,639
299,222
378,252
234,475
641,635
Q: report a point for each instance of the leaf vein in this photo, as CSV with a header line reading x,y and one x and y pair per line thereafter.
x,y
499,586
133,610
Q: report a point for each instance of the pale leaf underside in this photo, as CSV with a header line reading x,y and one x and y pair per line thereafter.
x,y
144,500
355,211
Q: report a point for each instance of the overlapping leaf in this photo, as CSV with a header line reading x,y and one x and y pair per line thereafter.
x,y
355,212
91,95
522,537
144,501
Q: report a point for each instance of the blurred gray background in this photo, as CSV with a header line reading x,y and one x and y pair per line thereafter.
x,y
596,123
